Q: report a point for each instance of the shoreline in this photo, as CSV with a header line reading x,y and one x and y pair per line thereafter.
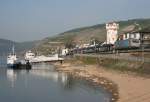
x,y
94,79
123,87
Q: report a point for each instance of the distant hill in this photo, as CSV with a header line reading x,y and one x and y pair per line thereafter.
x,y
85,34
6,46
98,31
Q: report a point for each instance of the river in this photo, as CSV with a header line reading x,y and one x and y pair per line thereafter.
x,y
44,84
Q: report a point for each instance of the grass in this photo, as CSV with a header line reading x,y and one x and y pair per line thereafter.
x,y
87,60
118,65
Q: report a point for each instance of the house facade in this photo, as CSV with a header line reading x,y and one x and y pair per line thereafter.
x,y
142,35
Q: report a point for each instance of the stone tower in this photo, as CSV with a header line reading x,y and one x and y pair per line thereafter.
x,y
112,32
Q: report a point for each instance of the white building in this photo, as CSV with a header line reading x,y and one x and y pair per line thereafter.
x,y
131,35
142,35
112,32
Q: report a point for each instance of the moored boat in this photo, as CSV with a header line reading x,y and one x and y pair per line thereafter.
x,y
14,63
42,58
32,58
12,58
29,55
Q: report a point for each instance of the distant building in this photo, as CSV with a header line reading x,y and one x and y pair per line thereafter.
x,y
129,35
112,32
142,35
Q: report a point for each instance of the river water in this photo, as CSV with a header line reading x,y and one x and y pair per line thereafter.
x,y
44,84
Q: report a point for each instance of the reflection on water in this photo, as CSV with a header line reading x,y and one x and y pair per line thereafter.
x,y
44,84
2,61
11,76
51,75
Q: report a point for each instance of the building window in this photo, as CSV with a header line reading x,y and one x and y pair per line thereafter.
x,y
132,35
135,36
138,36
127,36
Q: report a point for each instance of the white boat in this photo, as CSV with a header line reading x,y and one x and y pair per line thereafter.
x,y
29,55
12,59
43,58
37,59
14,63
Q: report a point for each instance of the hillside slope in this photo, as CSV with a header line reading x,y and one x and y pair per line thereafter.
x,y
6,46
85,34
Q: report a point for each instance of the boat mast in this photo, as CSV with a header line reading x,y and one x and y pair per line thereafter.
x,y
13,49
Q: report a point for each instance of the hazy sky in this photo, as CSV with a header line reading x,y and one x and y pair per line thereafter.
x,y
24,20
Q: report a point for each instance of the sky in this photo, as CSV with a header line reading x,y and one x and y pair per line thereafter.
x,y
27,20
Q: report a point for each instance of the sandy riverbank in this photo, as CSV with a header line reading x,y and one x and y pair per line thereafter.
x,y
131,88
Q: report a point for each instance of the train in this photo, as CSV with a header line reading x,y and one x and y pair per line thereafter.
x,y
118,46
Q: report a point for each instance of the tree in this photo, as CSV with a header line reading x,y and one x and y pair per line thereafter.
x,y
70,44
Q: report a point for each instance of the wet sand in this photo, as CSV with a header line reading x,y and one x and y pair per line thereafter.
x,y
130,87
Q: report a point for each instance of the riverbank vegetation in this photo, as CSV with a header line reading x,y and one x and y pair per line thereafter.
x,y
137,67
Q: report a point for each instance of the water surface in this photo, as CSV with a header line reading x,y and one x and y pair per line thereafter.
x,y
44,84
